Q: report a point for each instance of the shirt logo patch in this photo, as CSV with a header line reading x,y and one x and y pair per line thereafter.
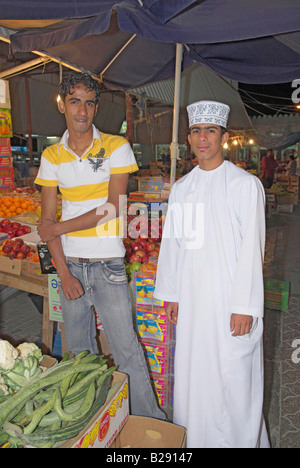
x,y
97,161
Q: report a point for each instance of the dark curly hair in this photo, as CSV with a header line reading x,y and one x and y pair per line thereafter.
x,y
72,79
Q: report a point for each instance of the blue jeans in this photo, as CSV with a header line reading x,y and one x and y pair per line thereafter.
x,y
105,287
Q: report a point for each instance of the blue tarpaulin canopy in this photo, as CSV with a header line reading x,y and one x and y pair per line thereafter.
x,y
252,41
130,43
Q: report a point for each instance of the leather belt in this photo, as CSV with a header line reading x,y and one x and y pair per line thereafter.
x,y
90,260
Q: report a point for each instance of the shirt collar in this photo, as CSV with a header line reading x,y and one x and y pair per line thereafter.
x,y
64,139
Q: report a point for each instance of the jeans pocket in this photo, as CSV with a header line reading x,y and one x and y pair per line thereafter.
x,y
114,271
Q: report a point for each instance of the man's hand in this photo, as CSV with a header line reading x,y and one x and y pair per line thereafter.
x,y
240,324
46,230
71,287
172,312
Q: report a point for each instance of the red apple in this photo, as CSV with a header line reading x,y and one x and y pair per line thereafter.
x,y
143,242
150,247
10,232
136,246
154,253
20,232
134,258
25,249
15,225
17,247
5,222
7,248
26,229
140,253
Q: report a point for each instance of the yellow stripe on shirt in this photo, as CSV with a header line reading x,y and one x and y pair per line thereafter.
x,y
111,228
47,183
85,192
125,169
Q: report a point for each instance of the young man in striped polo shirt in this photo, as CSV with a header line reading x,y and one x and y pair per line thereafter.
x,y
91,170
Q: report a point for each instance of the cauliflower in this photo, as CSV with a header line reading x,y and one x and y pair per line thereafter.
x,y
8,355
3,390
28,349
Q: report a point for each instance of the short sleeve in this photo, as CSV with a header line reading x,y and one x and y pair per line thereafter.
x,y
122,160
47,173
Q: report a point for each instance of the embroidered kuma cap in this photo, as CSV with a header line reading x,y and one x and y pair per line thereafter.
x,y
208,112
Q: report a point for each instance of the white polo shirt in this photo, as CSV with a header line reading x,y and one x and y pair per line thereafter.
x,y
83,183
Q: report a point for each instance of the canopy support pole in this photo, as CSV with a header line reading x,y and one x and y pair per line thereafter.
x,y
174,148
28,109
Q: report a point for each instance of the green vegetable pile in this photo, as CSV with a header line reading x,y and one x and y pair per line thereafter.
x,y
17,365
279,188
57,404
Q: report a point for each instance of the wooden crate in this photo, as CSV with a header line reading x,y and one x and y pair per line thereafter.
x,y
288,199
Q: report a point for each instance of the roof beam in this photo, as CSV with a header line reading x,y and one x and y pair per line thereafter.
x,y
23,67
46,57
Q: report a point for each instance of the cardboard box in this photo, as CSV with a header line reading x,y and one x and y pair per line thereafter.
x,y
7,182
285,208
161,387
5,161
157,357
21,268
150,184
141,432
108,422
277,294
145,195
152,324
144,285
288,199
5,151
4,142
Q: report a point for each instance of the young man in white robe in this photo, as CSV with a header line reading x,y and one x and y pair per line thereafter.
x,y
210,272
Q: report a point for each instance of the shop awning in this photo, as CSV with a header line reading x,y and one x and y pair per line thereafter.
x,y
250,41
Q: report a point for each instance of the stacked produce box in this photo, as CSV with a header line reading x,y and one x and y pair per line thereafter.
x,y
145,220
156,335
6,166
286,192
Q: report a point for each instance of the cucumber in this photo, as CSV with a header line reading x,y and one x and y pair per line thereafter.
x,y
32,387
43,437
83,409
53,418
4,437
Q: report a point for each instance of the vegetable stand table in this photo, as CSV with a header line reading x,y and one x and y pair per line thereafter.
x,y
26,276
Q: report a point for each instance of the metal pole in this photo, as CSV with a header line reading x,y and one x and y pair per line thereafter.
x,y
28,109
174,145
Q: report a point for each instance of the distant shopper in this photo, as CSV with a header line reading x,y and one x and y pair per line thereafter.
x,y
210,272
91,169
269,166
291,168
